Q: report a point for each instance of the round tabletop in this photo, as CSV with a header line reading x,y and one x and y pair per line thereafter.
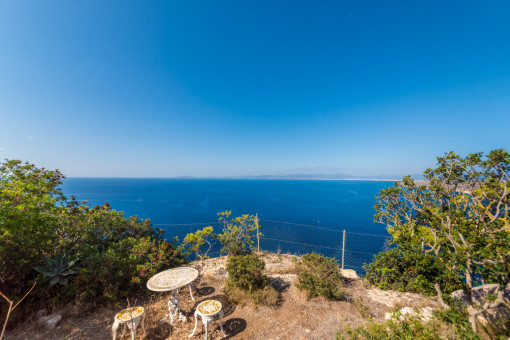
x,y
172,279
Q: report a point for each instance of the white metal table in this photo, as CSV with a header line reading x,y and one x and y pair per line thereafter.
x,y
173,280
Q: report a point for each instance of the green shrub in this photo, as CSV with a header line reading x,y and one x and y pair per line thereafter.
x,y
450,324
246,282
319,276
408,329
245,272
116,254
123,268
458,320
408,270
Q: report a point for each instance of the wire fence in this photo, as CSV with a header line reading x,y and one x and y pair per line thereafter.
x,y
352,250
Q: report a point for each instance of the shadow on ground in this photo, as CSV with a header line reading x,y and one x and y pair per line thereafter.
x,y
234,326
159,332
204,291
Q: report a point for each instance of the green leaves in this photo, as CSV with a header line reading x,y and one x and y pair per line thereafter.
x,y
462,216
38,225
319,275
245,280
245,272
407,268
237,233
193,242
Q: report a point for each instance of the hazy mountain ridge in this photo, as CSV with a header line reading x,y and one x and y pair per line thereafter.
x,y
325,177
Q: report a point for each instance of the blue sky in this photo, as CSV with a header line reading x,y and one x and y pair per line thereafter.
x,y
221,88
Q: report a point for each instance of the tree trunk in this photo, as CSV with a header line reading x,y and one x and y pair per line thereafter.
x,y
440,296
472,318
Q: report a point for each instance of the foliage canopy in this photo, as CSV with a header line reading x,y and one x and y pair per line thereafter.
x,y
461,217
107,254
237,233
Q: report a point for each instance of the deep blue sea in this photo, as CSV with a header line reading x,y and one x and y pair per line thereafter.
x,y
284,206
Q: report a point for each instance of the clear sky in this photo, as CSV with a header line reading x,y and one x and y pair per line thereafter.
x,y
220,88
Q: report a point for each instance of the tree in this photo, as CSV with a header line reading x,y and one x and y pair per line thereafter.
x,y
30,203
194,241
462,217
237,232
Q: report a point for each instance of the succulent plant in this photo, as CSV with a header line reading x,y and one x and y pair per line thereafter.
x,y
57,270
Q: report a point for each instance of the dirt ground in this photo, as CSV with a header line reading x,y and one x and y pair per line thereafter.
x,y
295,317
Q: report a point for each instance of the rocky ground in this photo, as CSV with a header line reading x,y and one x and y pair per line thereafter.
x,y
295,317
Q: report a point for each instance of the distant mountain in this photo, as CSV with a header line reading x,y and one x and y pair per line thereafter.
x,y
326,177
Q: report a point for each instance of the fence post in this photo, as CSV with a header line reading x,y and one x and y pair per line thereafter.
x,y
258,237
343,250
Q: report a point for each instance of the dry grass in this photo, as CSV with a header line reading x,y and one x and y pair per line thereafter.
x,y
267,296
418,304
290,315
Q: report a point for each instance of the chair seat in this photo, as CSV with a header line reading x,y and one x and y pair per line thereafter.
x,y
129,314
209,308
130,317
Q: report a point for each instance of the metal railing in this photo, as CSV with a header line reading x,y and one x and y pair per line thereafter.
x,y
351,249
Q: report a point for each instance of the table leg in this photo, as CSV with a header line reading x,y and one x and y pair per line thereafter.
x,y
190,293
174,312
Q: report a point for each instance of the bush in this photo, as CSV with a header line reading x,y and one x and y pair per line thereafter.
x,y
246,281
408,329
458,320
113,254
245,272
122,269
449,324
319,276
408,270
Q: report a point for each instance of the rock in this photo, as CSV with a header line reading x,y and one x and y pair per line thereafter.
x,y
40,313
221,272
493,316
425,314
391,297
479,293
163,320
349,273
50,321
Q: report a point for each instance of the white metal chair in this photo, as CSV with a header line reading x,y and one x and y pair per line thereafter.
x,y
207,310
131,317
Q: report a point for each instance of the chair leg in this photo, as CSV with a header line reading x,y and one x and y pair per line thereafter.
x,y
221,323
143,324
115,327
196,322
206,324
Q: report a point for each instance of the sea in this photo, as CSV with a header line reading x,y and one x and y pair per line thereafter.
x,y
296,216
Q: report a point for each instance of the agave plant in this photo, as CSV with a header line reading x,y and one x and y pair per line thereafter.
x,y
57,269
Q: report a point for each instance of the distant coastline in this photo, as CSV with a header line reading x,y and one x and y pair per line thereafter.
x,y
322,179
252,178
